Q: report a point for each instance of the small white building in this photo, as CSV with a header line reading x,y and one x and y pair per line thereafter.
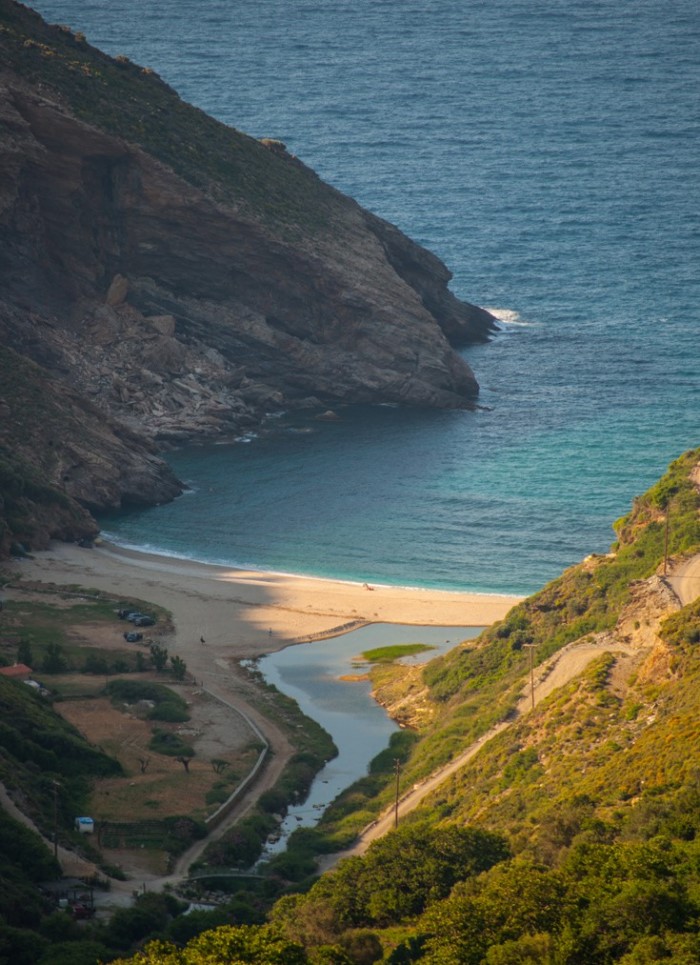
x,y
85,825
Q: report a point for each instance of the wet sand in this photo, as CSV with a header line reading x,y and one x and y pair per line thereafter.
x,y
245,613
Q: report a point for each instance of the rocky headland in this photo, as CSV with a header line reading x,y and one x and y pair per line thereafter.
x,y
165,278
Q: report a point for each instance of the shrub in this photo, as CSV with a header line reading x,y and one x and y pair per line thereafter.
x,y
169,711
165,742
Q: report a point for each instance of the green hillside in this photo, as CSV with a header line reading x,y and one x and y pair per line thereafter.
x,y
572,836
46,766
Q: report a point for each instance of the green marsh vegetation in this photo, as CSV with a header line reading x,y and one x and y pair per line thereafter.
x,y
395,652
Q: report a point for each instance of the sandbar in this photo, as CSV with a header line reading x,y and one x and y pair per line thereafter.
x,y
223,613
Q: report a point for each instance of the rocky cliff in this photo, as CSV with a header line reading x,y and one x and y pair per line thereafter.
x,y
169,278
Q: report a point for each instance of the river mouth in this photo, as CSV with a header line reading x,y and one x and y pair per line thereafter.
x,y
327,679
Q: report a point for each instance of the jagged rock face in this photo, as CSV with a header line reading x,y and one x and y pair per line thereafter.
x,y
186,297
340,324
60,457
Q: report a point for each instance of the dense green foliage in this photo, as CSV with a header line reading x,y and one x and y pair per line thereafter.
x,y
232,945
602,904
572,837
169,706
399,877
47,764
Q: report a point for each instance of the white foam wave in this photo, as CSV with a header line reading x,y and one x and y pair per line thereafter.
x,y
507,316
114,540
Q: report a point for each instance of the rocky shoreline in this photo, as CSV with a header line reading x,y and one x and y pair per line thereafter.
x,y
165,278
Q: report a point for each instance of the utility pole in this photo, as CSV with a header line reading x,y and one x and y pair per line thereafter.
x,y
397,768
531,648
55,819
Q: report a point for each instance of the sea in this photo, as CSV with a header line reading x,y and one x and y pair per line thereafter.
x,y
548,153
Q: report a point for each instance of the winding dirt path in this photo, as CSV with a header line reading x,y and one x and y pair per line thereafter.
x,y
685,580
563,667
632,639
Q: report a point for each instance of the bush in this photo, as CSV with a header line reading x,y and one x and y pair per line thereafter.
x,y
97,665
170,707
169,711
165,742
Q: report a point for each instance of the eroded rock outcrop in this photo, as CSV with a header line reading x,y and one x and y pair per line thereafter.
x,y
184,279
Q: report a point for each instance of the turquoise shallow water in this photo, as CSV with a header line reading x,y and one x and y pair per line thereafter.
x,y
548,153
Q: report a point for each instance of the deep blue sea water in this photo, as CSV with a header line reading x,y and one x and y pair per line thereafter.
x,y
548,153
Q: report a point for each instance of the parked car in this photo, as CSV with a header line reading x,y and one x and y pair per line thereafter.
x,y
144,621
133,637
133,615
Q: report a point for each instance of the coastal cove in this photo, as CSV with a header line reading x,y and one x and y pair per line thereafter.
x,y
549,158
223,616
349,482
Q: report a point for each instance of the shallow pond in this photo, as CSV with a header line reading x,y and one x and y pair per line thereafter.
x,y
311,673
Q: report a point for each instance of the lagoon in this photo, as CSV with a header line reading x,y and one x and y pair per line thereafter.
x,y
311,674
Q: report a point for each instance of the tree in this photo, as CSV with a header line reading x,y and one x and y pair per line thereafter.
x,y
219,764
24,653
20,946
237,945
178,667
404,872
85,952
159,656
54,660
150,914
96,664
185,761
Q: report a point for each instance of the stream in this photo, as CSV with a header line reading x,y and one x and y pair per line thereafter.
x,y
311,674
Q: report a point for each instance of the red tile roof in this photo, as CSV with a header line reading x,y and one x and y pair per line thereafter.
x,y
18,670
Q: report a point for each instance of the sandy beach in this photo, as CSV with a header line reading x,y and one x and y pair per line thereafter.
x,y
222,615
245,613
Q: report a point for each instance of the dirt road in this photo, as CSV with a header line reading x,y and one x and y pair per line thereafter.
x,y
685,580
568,663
